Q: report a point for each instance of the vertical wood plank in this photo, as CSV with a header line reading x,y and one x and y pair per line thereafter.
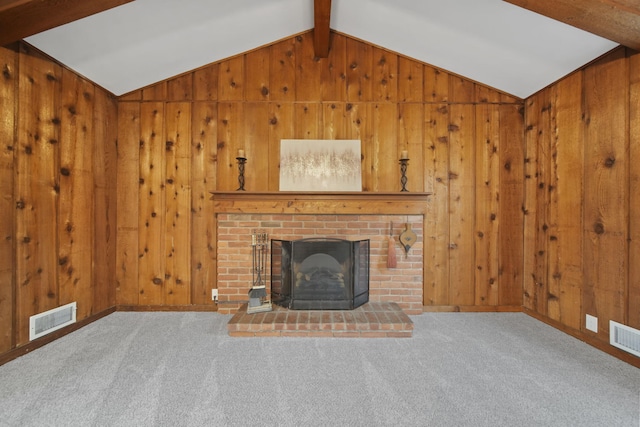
x,y
462,202
485,94
135,95
282,66
230,139
553,287
385,169
511,192
151,214
281,126
606,203
410,80
308,70
76,201
38,160
203,180
487,208
333,120
566,197
231,79
180,88
307,121
410,138
105,120
8,110
436,286
436,85
257,76
538,210
334,77
156,92
127,209
359,63
177,245
256,145
358,127
385,75
461,90
205,83
530,204
633,312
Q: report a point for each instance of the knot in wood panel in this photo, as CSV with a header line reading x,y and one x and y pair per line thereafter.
x,y
598,228
609,162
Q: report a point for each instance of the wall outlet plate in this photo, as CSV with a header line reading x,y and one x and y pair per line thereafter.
x,y
592,323
214,295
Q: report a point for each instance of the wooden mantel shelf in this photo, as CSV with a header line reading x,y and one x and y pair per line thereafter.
x,y
403,203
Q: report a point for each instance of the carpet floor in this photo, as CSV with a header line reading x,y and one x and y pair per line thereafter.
x,y
183,369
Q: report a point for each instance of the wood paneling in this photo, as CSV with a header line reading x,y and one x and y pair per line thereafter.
x,y
536,209
8,105
58,169
633,307
76,190
37,190
437,182
128,194
468,152
606,199
152,205
487,211
581,197
511,195
462,203
203,176
105,141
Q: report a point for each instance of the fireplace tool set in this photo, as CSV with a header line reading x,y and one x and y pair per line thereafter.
x,y
258,301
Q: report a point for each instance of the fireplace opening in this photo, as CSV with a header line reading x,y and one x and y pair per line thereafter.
x,y
319,273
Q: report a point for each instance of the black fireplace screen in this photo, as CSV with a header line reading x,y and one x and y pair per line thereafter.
x,y
319,274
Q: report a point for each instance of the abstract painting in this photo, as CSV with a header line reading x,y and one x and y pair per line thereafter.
x,y
320,165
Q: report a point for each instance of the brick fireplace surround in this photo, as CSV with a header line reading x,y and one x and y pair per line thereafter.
x,y
351,216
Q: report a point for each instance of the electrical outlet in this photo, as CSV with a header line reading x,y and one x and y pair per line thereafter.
x,y
592,323
214,295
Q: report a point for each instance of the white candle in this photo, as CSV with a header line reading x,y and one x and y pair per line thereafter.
x,y
404,155
240,153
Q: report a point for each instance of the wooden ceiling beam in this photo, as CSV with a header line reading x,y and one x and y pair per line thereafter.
x,y
321,30
616,20
24,18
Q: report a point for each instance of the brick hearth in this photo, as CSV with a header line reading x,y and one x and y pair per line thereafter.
x,y
371,320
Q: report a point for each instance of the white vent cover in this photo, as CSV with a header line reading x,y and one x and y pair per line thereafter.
x,y
624,337
51,320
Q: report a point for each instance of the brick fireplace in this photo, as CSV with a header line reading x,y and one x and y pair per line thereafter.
x,y
340,216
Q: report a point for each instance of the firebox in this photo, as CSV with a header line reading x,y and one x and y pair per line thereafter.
x,y
319,273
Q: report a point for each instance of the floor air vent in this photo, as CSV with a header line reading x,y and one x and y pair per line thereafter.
x,y
52,320
624,337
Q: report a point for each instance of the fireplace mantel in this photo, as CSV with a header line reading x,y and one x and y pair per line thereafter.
x,y
296,215
402,203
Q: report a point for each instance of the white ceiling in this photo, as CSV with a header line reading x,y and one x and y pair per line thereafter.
x,y
489,41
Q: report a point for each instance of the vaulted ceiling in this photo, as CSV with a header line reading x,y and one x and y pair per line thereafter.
x,y
510,45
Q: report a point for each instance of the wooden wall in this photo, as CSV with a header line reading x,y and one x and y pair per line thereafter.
x,y
57,180
582,203
533,204
178,140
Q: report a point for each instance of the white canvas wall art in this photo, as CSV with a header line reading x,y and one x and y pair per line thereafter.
x,y
320,165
